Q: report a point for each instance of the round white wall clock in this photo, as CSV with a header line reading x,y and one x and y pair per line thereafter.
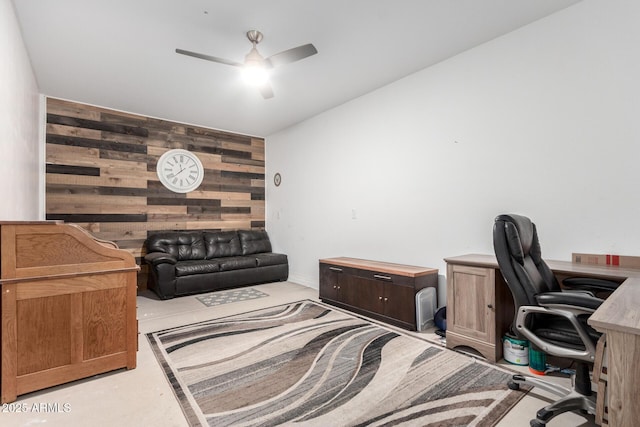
x,y
180,171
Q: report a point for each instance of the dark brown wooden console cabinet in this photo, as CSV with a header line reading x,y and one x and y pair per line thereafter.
x,y
381,290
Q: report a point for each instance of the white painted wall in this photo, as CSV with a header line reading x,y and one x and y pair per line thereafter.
x,y
543,121
21,163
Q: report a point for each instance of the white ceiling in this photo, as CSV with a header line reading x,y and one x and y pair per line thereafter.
x,y
121,53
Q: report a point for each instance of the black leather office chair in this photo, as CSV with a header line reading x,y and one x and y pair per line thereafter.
x,y
554,321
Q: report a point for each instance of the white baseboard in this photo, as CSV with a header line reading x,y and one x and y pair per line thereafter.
x,y
304,280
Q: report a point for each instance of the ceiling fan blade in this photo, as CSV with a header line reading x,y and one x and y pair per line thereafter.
x,y
291,55
266,91
209,58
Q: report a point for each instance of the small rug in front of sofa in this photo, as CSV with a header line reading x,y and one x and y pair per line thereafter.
x,y
232,295
306,363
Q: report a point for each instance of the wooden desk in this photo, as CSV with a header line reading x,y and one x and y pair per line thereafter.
x,y
68,306
618,317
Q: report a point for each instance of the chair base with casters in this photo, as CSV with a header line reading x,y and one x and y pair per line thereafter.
x,y
577,399
580,397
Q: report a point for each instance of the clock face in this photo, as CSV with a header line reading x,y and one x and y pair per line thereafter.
x,y
180,171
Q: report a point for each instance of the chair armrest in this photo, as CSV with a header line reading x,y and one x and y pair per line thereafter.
x,y
155,258
578,291
578,301
588,354
590,284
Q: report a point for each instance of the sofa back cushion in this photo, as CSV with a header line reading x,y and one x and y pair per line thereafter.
x,y
183,245
222,244
254,241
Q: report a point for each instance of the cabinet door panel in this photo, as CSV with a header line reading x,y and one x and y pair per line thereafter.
x,y
44,323
329,276
471,293
399,303
364,293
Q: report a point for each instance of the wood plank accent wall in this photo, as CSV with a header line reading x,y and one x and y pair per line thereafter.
x,y
101,175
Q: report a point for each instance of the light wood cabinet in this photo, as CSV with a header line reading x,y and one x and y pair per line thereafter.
x,y
68,306
479,308
383,291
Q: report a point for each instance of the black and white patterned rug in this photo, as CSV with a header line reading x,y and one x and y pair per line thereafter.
x,y
232,295
305,363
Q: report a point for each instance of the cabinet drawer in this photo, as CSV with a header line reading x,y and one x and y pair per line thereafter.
x,y
336,268
327,270
396,279
384,277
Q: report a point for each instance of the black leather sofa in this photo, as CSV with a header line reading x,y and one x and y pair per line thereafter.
x,y
190,262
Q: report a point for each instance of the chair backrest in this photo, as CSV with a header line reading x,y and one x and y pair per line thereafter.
x,y
517,249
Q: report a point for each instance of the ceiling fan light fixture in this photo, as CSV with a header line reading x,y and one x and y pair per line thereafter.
x,y
255,75
254,72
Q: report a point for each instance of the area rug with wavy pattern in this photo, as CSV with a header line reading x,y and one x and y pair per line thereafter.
x,y
306,363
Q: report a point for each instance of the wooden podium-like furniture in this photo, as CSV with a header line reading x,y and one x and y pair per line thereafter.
x,y
381,290
68,306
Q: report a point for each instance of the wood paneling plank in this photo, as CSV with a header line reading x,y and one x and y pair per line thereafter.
x,y
93,143
97,200
64,209
218,195
72,170
69,154
96,181
71,109
76,218
96,125
64,130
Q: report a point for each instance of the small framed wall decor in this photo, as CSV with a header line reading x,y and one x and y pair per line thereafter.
x,y
277,179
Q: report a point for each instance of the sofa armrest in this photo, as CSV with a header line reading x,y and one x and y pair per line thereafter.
x,y
155,258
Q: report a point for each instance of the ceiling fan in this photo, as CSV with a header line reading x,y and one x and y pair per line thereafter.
x,y
255,66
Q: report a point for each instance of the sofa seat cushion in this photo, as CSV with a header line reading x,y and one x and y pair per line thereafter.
x,y
188,268
235,262
270,259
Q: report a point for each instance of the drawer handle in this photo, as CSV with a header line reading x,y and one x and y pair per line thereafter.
x,y
489,305
335,269
380,276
